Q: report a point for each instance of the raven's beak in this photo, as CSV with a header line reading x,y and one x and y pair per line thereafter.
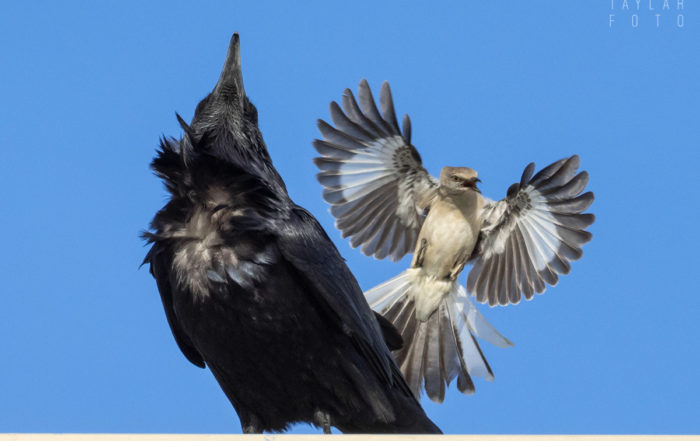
x,y
231,79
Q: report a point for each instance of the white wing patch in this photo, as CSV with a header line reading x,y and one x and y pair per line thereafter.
x,y
532,235
372,175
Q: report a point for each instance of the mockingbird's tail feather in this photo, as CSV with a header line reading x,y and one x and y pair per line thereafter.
x,y
442,347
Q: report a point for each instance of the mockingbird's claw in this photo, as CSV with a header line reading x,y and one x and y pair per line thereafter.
x,y
418,261
458,266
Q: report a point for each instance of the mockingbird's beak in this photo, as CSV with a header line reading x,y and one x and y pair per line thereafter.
x,y
471,183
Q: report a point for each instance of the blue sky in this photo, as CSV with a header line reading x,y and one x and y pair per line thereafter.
x,y
86,91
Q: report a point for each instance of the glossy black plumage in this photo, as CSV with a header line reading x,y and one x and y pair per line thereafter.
x,y
253,288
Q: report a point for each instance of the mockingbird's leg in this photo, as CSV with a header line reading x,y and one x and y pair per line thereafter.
x,y
420,255
458,266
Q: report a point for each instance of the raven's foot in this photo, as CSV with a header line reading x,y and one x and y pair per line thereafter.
x,y
251,425
323,419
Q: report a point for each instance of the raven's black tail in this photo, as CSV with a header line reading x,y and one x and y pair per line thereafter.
x,y
406,414
410,418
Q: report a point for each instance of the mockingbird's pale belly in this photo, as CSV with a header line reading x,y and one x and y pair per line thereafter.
x,y
450,230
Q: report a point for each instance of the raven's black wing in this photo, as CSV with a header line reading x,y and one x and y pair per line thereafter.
x,y
391,335
303,242
159,259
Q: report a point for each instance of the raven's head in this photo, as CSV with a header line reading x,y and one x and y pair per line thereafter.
x,y
225,124
226,108
220,162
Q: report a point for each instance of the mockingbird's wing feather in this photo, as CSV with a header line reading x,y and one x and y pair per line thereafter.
x,y
531,235
372,175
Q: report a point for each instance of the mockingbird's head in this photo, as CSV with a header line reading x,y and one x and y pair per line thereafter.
x,y
459,178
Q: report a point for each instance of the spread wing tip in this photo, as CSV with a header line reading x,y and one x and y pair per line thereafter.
x,y
369,170
530,237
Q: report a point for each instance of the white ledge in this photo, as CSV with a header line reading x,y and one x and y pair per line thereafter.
x,y
319,437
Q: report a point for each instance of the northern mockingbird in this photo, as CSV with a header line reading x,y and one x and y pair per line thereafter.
x,y
253,288
387,203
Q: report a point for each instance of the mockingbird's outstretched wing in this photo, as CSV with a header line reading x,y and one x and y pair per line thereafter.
x,y
372,175
532,234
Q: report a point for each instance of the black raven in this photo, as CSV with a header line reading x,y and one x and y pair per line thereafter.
x,y
253,287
